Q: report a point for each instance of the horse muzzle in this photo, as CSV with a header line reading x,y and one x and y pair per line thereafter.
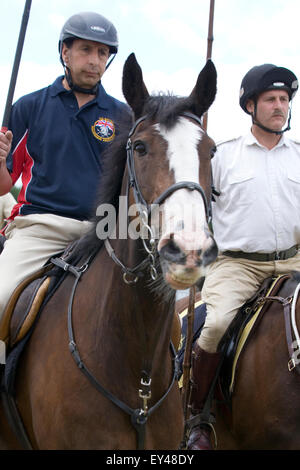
x,y
185,257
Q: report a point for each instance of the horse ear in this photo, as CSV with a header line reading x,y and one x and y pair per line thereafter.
x,y
205,90
133,86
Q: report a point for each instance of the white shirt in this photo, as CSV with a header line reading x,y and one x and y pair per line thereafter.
x,y
259,206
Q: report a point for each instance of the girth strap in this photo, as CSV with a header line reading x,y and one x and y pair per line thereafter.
x,y
286,304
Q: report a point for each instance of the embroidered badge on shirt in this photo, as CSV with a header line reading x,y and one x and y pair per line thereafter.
x,y
104,129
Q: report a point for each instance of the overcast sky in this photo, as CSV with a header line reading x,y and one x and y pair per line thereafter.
x,y
169,39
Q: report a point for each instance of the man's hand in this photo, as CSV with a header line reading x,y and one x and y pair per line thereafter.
x,y
5,146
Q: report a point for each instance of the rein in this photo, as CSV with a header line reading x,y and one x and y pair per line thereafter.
x,y
139,416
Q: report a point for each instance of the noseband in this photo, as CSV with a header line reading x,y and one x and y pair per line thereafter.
x,y
131,275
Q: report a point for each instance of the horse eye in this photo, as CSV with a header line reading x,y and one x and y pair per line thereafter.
x,y
213,151
140,148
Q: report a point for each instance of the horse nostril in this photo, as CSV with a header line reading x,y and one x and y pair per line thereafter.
x,y
171,252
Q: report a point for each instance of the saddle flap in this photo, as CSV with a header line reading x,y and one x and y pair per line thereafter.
x,y
8,313
22,319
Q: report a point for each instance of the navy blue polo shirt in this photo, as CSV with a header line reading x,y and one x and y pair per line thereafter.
x,y
57,149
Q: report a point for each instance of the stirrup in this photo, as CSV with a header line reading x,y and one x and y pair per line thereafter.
x,y
197,420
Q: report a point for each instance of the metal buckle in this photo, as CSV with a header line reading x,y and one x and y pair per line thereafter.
x,y
145,395
291,364
130,281
83,268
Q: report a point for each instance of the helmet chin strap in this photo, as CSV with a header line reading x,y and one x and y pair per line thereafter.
x,y
266,129
73,87
87,91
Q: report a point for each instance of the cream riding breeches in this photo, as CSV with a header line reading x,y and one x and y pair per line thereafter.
x,y
30,241
229,283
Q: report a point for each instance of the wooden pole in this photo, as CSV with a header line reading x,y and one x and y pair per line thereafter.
x,y
187,361
210,39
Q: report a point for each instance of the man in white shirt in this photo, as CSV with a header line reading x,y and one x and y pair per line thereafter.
x,y
256,219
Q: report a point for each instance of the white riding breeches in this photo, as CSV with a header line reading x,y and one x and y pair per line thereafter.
x,y
30,241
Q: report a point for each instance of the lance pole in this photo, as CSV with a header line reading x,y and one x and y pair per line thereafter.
x,y
14,74
210,39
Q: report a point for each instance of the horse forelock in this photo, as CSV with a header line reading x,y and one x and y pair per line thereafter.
x,y
165,108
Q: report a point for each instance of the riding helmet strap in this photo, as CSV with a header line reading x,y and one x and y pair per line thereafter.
x,y
266,129
74,88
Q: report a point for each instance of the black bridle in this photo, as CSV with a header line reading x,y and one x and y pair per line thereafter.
x,y
132,180
131,275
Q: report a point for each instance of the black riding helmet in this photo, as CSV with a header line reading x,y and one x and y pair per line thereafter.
x,y
267,77
93,27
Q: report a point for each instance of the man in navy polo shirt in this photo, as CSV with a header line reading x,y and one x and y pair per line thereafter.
x,y
56,138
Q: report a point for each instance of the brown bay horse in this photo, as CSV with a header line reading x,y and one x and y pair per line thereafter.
x,y
260,411
263,413
98,370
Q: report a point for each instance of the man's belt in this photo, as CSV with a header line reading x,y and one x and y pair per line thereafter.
x,y
275,256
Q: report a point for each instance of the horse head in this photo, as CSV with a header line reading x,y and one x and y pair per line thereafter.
x,y
170,172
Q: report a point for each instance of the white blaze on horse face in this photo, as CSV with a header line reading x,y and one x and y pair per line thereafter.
x,y
184,217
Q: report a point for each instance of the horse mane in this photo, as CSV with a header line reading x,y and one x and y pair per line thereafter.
x,y
162,108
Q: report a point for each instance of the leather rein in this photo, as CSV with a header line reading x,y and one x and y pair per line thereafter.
x,y
138,416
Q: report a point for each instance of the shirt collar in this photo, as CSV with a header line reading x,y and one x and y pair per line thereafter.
x,y
102,97
251,140
57,87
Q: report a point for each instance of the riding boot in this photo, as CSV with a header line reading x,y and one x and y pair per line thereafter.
x,y
204,366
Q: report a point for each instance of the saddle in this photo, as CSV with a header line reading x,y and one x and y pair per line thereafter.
x,y
31,292
236,335
16,321
242,328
